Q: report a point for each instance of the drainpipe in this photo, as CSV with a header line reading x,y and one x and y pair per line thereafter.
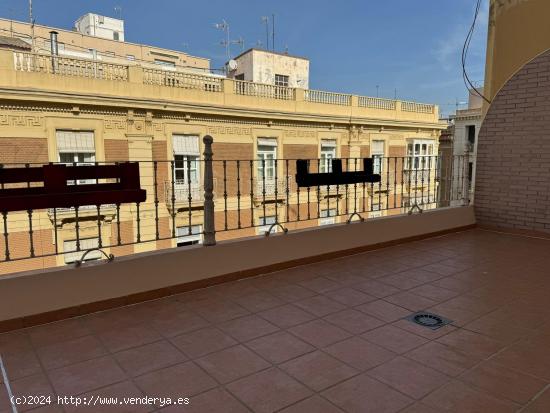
x,y
54,49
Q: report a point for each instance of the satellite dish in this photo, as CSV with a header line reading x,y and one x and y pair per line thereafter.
x,y
232,65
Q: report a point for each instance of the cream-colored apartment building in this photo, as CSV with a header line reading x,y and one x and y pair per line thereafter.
x,y
80,110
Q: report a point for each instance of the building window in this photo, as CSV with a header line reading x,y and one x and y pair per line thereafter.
x,y
240,77
265,224
71,254
166,63
116,36
186,159
328,153
377,154
471,132
189,235
267,154
130,57
375,211
76,148
281,80
327,216
418,154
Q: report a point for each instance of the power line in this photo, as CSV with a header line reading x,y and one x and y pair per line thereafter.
x,y
467,41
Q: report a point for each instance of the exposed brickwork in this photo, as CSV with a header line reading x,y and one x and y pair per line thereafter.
x,y
512,179
126,236
163,167
23,150
116,150
300,152
232,151
19,246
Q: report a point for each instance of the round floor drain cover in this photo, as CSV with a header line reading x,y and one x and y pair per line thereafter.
x,y
428,320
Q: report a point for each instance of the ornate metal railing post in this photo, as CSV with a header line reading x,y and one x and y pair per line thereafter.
x,y
466,178
209,227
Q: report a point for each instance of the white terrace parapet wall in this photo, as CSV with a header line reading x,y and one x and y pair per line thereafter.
x,y
80,77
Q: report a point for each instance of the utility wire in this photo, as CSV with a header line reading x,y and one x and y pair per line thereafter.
x,y
467,41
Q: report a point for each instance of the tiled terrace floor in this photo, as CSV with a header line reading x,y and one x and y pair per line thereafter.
x,y
322,338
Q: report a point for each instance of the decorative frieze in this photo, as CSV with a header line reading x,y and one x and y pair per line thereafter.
x,y
26,121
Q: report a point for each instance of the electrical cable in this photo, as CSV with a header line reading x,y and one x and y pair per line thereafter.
x,y
467,82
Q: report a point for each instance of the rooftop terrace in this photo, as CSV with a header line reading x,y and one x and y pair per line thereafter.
x,y
327,337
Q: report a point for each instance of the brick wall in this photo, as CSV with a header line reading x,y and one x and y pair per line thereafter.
x,y
116,150
513,175
23,150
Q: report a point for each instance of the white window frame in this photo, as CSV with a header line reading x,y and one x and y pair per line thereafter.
x,y
186,154
328,153
327,217
76,154
183,238
266,154
418,153
282,80
377,156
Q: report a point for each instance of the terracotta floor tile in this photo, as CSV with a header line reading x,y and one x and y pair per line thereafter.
x,y
471,343
247,328
419,407
286,316
15,341
279,347
124,337
458,397
401,281
528,357
213,401
376,288
201,342
447,360
345,278
139,360
217,311
454,284
541,404
458,316
319,333
173,324
434,293
383,310
356,322
499,330
409,377
85,376
318,370
349,296
122,390
57,332
314,404
232,363
21,364
259,301
181,380
69,352
502,382
292,292
363,394
410,301
424,331
268,391
441,269
36,386
320,284
394,339
359,353
320,305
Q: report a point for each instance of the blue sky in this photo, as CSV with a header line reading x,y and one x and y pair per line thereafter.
x,y
353,45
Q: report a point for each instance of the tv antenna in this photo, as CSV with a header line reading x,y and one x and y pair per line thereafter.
x,y
265,20
118,11
224,27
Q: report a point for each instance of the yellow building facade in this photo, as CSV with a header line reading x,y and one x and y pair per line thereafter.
x,y
82,111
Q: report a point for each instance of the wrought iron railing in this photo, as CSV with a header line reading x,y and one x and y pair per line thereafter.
x,y
243,200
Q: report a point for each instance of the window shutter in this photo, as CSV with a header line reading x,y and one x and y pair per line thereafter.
x,y
267,142
377,148
75,141
186,145
328,143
